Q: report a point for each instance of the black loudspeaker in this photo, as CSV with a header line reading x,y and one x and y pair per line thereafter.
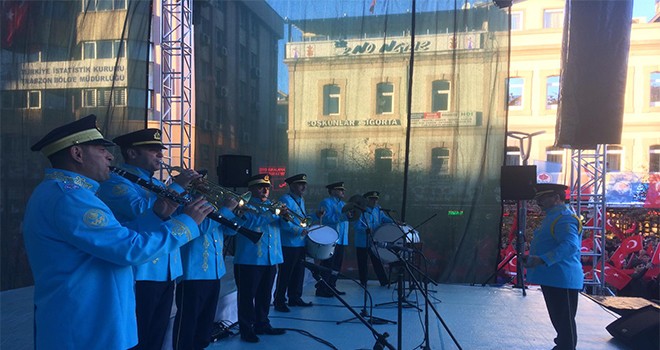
x,y
639,329
234,170
594,73
518,182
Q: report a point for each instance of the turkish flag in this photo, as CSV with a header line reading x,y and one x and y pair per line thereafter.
x,y
14,17
629,245
655,259
615,277
587,245
506,254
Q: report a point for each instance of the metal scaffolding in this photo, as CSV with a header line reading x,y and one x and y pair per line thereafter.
x,y
588,168
176,79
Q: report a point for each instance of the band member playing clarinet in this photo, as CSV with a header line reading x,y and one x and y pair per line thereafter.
x,y
291,272
142,151
81,255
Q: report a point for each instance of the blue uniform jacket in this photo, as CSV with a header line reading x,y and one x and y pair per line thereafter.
x,y
202,258
128,200
291,231
335,218
268,250
371,218
81,260
557,241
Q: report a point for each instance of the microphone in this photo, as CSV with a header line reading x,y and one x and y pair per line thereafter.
x,y
317,270
394,247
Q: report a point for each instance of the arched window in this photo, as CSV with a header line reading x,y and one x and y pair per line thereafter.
x,y
383,160
440,161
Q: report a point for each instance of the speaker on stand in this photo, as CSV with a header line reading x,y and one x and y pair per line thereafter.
x,y
234,170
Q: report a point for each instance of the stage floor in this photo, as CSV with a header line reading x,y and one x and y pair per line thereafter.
x,y
478,317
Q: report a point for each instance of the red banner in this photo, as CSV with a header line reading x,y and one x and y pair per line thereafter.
x,y
629,245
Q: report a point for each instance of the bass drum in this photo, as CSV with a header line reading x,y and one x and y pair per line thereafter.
x,y
393,233
321,241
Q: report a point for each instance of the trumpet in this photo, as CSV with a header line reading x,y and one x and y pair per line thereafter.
x,y
277,208
213,193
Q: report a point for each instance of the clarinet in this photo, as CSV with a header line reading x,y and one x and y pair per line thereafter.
x,y
253,236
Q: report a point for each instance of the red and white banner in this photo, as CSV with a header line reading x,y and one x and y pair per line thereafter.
x,y
629,245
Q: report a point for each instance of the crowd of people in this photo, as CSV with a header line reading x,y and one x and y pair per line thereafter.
x,y
111,256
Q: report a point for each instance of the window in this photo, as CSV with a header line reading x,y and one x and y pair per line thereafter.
x,y
553,18
328,159
440,97
552,92
103,5
34,99
384,96
613,159
383,160
440,161
516,21
103,97
103,49
655,89
515,88
89,98
555,155
654,159
512,156
331,99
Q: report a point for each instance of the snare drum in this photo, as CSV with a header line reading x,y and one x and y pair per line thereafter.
x,y
321,241
393,233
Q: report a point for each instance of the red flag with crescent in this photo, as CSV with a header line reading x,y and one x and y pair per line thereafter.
x,y
615,277
629,245
14,18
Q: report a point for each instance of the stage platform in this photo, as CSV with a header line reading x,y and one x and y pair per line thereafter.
x,y
490,317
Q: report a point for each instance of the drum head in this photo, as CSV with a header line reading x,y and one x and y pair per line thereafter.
x,y
322,234
392,233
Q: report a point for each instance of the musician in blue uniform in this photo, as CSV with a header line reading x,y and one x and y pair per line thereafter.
x,y
554,261
81,255
370,220
336,217
198,289
255,265
142,151
291,272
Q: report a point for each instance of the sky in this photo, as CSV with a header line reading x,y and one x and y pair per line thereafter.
x,y
296,8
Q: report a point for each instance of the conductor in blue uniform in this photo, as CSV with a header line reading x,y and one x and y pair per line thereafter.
x,y
554,261
80,255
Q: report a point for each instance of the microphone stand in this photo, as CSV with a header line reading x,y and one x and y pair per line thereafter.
x,y
371,318
381,339
424,294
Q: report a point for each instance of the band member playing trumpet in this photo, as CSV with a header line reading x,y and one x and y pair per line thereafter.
x,y
255,264
370,220
291,272
336,217
81,255
142,151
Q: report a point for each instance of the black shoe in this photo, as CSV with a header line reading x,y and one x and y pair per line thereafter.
x,y
269,330
324,294
249,337
281,307
299,302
